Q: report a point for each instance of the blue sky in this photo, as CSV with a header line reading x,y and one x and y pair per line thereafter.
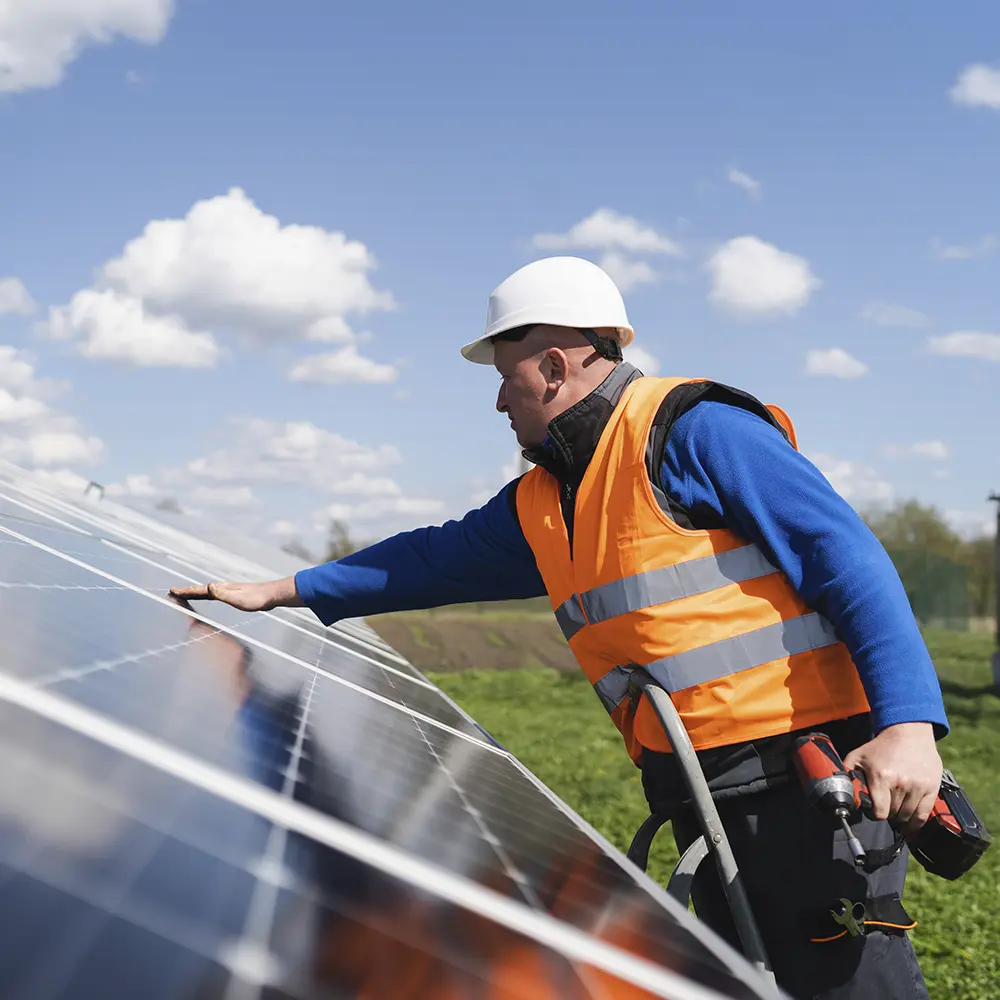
x,y
243,244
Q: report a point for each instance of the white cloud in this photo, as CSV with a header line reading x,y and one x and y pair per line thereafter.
x,y
224,496
753,278
855,482
485,487
230,265
967,344
517,466
40,38
983,246
52,447
836,363
265,453
264,477
64,448
22,395
229,268
605,229
891,314
113,327
330,330
977,86
936,451
14,297
35,433
65,479
642,359
745,181
419,508
15,409
337,367
296,452
625,273
17,373
972,523
133,486
334,512
362,485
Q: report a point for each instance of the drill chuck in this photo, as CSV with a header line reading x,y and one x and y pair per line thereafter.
x,y
854,845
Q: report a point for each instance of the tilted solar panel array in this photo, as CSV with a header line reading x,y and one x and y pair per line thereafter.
x,y
198,803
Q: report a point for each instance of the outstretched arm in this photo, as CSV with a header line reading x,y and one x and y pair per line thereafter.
x,y
482,557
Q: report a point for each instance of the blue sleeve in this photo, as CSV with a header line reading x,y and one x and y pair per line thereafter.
x,y
483,557
724,461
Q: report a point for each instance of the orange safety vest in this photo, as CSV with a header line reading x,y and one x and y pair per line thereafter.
x,y
704,612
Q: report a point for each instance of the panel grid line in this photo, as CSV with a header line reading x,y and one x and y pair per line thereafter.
x,y
6,585
109,903
256,642
429,729
76,673
123,532
267,614
439,882
252,948
389,653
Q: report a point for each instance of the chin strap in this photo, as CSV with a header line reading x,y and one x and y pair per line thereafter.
x,y
607,347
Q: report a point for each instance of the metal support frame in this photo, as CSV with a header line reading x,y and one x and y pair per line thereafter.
x,y
679,883
995,497
713,840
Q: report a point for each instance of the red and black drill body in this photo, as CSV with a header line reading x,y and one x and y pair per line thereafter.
x,y
952,840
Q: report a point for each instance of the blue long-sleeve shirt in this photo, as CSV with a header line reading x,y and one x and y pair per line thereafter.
x,y
720,460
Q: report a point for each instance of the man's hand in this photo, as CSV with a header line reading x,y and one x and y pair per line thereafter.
x,y
904,773
244,596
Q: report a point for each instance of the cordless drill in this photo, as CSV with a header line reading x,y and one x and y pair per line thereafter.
x,y
951,841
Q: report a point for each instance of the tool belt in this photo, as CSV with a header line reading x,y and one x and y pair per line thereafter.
x,y
846,918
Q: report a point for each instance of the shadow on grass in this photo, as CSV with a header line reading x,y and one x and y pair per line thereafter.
x,y
967,690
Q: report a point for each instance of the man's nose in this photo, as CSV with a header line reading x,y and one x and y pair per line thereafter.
x,y
501,401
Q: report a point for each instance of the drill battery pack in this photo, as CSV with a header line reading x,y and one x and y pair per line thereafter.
x,y
954,838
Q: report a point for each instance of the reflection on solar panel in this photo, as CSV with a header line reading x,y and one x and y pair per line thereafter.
x,y
214,805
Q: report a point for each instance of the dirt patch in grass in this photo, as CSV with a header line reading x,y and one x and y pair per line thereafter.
x,y
448,643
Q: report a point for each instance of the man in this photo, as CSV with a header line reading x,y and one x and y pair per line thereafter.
x,y
674,524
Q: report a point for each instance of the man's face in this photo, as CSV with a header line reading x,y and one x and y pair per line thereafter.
x,y
523,391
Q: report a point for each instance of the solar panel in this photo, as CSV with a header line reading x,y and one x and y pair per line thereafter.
x,y
202,804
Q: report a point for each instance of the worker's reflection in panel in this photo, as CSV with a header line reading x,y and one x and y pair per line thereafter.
x,y
348,930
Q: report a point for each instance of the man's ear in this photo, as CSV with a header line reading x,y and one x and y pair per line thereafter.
x,y
555,367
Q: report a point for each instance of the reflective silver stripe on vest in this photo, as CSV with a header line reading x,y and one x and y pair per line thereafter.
x,y
612,688
660,586
742,652
569,615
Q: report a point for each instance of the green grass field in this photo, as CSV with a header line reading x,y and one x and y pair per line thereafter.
x,y
551,720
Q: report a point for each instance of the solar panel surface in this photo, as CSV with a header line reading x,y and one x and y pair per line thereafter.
x,y
213,804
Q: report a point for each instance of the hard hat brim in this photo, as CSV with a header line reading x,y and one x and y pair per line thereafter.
x,y
480,351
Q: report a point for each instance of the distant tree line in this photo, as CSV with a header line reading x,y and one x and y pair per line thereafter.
x,y
947,577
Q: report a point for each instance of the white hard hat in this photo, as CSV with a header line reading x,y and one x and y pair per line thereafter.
x,y
556,291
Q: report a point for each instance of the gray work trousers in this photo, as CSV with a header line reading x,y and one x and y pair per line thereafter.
x,y
796,865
